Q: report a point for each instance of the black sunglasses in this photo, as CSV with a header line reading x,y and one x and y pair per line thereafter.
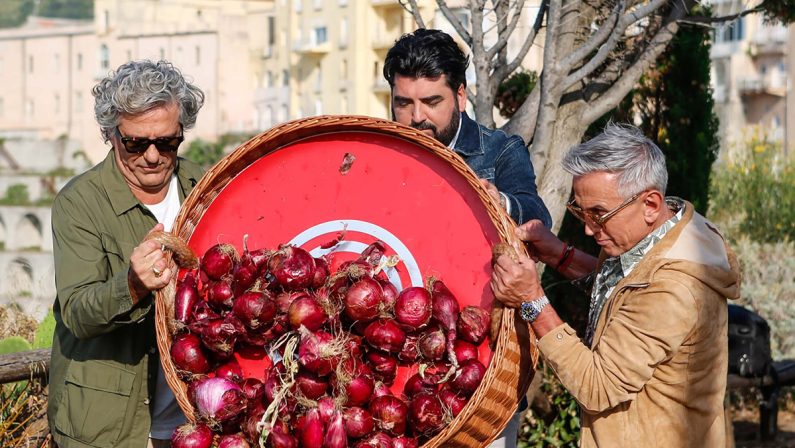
x,y
138,145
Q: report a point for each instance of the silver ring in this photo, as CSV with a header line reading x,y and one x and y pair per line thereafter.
x,y
157,272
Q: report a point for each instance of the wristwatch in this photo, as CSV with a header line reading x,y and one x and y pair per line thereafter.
x,y
530,310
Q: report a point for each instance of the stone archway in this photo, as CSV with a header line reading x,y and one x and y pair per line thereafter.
x,y
20,278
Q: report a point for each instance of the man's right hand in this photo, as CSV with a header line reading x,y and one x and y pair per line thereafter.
x,y
148,271
541,243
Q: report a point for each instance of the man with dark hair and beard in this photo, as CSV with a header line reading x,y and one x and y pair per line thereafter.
x,y
426,71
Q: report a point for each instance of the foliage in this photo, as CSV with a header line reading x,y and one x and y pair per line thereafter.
x,y
23,408
562,429
782,11
43,336
13,13
514,91
13,344
754,192
207,153
67,9
15,322
16,194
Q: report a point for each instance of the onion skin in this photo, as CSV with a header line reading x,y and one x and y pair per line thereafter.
x,y
253,389
473,324
230,370
280,436
416,385
383,365
321,273
220,335
405,442
390,414
192,436
218,261
187,355
307,312
377,440
311,386
390,295
185,299
386,335
292,267
409,354
413,308
452,401
358,422
426,414
311,353
253,416
220,294
470,375
464,351
233,441
363,300
312,430
432,345
327,408
335,433
359,389
219,400
254,309
445,311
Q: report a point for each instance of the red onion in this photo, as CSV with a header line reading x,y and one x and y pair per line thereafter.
x,y
386,335
310,385
405,442
358,422
390,414
377,440
285,299
220,335
464,351
219,400
185,299
307,312
390,295
312,430
413,308
187,354
452,401
383,365
192,436
470,375
321,272
416,384
202,313
219,260
372,254
335,433
253,389
363,299
432,344
426,414
381,389
316,352
292,267
445,311
280,436
357,382
409,354
254,309
230,370
327,409
473,324
220,294
254,413
246,271
233,441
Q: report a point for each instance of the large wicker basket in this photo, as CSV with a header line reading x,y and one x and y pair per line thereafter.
x,y
515,355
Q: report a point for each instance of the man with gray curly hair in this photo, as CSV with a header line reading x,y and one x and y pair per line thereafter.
x,y
106,385
651,367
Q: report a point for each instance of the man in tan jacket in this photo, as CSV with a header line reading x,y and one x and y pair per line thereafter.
x,y
651,368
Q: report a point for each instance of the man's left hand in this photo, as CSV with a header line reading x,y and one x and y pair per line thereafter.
x,y
494,193
515,282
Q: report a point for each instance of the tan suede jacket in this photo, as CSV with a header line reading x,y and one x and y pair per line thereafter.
x,y
655,375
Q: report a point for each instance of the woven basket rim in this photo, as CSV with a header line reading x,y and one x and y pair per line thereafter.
x,y
516,374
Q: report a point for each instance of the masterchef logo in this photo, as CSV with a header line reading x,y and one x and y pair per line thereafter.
x,y
357,235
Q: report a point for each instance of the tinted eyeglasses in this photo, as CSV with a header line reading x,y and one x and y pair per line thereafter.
x,y
598,219
138,145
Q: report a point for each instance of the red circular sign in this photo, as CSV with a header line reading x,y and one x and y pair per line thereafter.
x,y
394,190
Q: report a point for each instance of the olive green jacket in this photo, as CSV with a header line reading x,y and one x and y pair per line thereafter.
x,y
104,354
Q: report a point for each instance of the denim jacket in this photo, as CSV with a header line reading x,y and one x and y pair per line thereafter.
x,y
505,162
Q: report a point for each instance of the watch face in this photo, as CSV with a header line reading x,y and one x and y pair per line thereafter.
x,y
527,311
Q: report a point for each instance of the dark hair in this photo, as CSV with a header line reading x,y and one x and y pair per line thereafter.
x,y
427,54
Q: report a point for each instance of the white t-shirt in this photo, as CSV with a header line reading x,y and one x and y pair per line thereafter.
x,y
166,413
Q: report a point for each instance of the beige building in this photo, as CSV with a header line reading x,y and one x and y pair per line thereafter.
x,y
752,78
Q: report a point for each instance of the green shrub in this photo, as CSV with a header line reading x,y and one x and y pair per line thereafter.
x,y
562,428
43,336
13,344
753,192
16,194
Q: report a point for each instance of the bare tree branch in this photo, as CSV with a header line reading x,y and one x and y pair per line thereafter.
x,y
503,37
596,39
628,78
414,10
457,25
502,72
727,18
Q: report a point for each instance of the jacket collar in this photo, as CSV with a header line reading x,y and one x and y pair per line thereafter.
x,y
121,198
470,139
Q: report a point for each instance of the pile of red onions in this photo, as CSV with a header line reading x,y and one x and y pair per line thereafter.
x,y
337,339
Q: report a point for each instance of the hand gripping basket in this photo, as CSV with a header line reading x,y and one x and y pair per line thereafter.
x,y
235,189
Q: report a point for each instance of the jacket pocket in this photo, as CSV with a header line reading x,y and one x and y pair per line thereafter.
x,y
94,402
486,173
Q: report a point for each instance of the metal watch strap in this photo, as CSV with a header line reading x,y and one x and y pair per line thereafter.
x,y
530,310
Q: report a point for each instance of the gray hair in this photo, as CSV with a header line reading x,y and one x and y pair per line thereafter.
x,y
139,86
622,149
